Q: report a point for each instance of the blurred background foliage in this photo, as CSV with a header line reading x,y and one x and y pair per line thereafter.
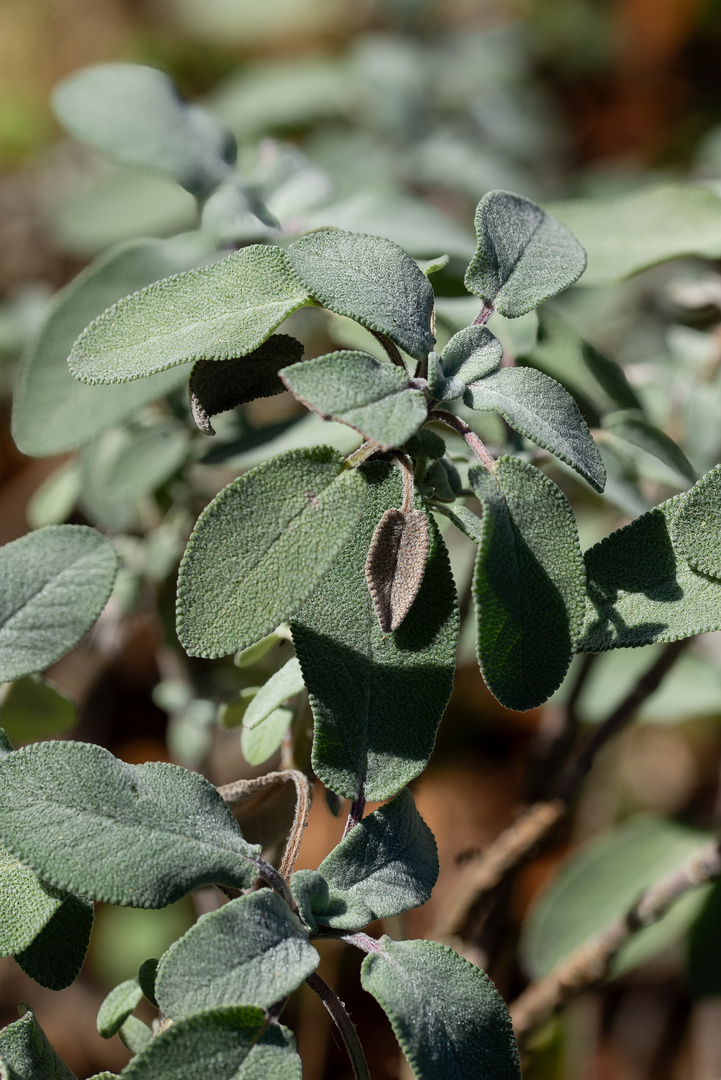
x,y
393,117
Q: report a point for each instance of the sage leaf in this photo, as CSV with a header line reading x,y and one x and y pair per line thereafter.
x,y
34,708
261,547
440,387
460,1032
6,747
396,563
386,865
135,115
260,743
274,1055
52,411
471,354
371,280
252,951
212,1045
357,389
283,684
217,312
119,1004
633,426
377,698
28,904
134,1034
53,585
524,255
146,979
540,409
137,835
696,526
528,584
26,1054
215,386
54,958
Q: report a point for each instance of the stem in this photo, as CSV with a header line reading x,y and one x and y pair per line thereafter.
x,y
355,814
407,470
345,1025
368,449
460,426
276,881
364,942
484,314
390,349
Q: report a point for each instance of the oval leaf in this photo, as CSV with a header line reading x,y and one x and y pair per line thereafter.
x,y
26,1053
218,312
697,525
119,1004
210,1046
53,585
261,547
524,255
35,708
138,835
528,584
283,684
471,354
54,958
462,1032
395,565
371,280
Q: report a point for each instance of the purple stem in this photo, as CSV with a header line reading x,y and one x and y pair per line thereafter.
x,y
455,422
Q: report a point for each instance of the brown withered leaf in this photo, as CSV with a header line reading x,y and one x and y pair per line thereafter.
x,y
396,563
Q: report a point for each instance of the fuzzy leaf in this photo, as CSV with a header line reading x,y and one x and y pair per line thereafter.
x,y
377,698
633,426
471,354
539,408
6,747
26,1054
261,547
274,1055
396,563
52,411
447,1015
386,865
696,528
137,835
53,585
524,255
641,587
260,743
367,394
283,684
440,387
119,1004
252,951
215,386
371,280
209,1046
528,584
218,312
54,958
134,1034
136,116
34,708
28,905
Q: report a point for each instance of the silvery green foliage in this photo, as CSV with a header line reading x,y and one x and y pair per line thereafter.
x,y
26,1054
284,684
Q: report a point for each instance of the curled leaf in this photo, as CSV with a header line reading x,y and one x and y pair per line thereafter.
x,y
396,563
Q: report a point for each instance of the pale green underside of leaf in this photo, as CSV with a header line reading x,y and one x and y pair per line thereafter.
x,y
26,1054
371,280
217,312
528,584
633,427
137,835
377,698
283,684
641,587
540,409
524,255
600,882
118,1006
386,865
447,1015
136,116
53,585
261,547
253,951
34,708
260,743
361,391
628,233
52,411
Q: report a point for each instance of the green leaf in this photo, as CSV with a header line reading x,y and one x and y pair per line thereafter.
x,y
28,905
633,426
26,1054
53,585
252,951
371,280
261,547
138,835
54,958
218,312
52,411
146,979
600,882
260,743
254,653
471,354
524,255
35,708
134,1034
528,584
640,586
367,394
627,233
231,713
208,1046
386,865
6,747
274,1055
53,502
215,386
377,698
696,528
135,115
539,408
283,684
447,1015
119,1004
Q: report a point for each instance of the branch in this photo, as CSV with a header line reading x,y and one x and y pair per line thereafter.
x,y
467,433
345,1025
589,964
